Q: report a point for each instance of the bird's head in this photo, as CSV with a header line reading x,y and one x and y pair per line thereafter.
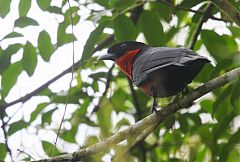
x,y
122,49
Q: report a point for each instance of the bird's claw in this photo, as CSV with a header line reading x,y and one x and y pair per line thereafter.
x,y
153,109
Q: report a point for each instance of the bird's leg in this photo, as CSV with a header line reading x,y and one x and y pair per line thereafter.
x,y
185,91
154,106
175,98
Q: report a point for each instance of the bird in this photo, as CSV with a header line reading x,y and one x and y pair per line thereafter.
x,y
157,71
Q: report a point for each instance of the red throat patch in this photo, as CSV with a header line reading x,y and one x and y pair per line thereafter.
x,y
125,62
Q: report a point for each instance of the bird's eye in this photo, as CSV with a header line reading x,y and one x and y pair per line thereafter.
x,y
123,45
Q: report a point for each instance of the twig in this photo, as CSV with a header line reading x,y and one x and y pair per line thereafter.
x,y
151,120
23,152
70,84
205,16
6,136
189,10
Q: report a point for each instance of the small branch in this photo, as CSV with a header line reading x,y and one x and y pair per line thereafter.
x,y
152,120
205,16
228,9
23,152
189,10
6,136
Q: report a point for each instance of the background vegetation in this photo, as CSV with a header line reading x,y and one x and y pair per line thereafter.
x,y
102,99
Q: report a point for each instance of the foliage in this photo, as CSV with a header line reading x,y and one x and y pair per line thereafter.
x,y
209,130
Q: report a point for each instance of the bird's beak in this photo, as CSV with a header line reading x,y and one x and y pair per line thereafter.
x,y
106,56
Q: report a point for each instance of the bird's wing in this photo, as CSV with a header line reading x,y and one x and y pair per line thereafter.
x,y
152,59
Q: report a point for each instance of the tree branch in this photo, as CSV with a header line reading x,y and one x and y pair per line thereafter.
x,y
6,136
205,16
150,121
228,9
68,70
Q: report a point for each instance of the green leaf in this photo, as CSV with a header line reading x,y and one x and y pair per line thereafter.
x,y
169,121
98,75
92,40
170,34
227,148
104,3
23,7
223,125
4,7
3,151
189,3
62,99
24,22
44,4
235,31
69,135
119,99
91,140
124,28
235,93
13,35
48,149
29,60
152,28
122,122
47,116
206,106
104,117
183,123
120,4
6,56
232,46
215,44
16,126
162,10
206,135
45,45
36,112
62,37
9,77
54,9
218,109
75,17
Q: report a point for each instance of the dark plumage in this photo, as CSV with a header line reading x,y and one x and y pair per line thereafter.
x,y
157,71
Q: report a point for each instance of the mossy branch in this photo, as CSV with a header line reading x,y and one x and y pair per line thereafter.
x,y
150,122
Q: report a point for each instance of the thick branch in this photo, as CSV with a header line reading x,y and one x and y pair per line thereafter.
x,y
151,120
228,9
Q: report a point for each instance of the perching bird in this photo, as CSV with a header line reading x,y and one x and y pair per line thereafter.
x,y
157,71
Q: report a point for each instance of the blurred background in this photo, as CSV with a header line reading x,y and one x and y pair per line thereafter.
x,y
36,45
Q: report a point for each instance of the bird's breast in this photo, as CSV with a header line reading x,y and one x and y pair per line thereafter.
x,y
125,62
